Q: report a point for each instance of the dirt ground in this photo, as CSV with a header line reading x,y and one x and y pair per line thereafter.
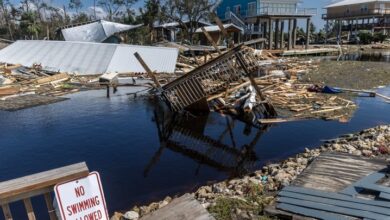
x,y
350,74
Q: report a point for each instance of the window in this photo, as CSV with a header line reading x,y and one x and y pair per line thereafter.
x,y
237,9
251,8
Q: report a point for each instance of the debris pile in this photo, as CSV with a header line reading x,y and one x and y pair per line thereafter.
x,y
22,87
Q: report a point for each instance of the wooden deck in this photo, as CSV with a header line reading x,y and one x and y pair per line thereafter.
x,y
332,172
182,208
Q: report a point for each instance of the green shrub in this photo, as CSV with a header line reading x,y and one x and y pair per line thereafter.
x,y
379,37
365,37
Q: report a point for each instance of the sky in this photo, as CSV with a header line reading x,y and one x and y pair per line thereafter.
x,y
319,4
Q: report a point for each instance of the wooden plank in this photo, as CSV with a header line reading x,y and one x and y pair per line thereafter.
x,y
7,212
336,196
29,209
374,187
384,195
182,208
210,39
8,90
333,172
50,208
372,178
57,77
148,70
310,212
333,209
278,120
330,201
41,181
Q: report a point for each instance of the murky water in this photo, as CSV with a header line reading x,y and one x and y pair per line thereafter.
x,y
143,154
367,55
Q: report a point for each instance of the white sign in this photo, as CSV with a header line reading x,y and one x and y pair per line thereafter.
x,y
82,199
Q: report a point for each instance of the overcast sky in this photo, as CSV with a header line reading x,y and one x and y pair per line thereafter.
x,y
319,4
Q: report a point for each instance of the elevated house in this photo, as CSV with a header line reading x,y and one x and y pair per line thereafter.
x,y
171,31
234,31
268,19
356,15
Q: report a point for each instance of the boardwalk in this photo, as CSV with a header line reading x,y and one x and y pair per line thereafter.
x,y
183,208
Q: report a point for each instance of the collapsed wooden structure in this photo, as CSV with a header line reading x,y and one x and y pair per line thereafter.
x,y
212,78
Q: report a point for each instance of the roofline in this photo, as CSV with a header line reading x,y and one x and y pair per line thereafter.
x,y
330,6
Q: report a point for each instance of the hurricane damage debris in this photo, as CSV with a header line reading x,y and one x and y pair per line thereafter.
x,y
192,90
242,79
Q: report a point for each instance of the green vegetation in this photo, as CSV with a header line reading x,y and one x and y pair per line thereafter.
x,y
253,202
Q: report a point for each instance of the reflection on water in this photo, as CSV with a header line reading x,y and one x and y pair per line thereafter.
x,y
370,55
186,135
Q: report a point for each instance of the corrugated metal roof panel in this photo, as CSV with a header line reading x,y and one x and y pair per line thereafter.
x,y
159,59
95,32
84,58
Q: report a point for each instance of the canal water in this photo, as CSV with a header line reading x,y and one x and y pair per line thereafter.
x,y
143,155
367,55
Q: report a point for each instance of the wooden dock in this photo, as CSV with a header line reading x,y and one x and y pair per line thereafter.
x,y
182,208
332,173
316,51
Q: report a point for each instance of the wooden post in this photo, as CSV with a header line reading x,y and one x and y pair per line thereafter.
x,y
148,71
29,209
289,47
326,31
295,24
339,32
308,33
50,208
277,35
7,212
282,34
270,34
210,39
108,90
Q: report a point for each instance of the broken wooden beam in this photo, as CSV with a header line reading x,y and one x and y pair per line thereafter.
x,y
150,73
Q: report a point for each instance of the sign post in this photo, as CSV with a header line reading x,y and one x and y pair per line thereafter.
x,y
82,199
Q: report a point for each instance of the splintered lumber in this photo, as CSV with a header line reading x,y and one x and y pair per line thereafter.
x,y
277,120
327,110
54,78
209,79
8,90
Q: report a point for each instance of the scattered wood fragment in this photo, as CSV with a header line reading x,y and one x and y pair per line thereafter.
x,y
278,120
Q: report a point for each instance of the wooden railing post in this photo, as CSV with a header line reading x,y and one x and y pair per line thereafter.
x,y
7,212
29,209
50,208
